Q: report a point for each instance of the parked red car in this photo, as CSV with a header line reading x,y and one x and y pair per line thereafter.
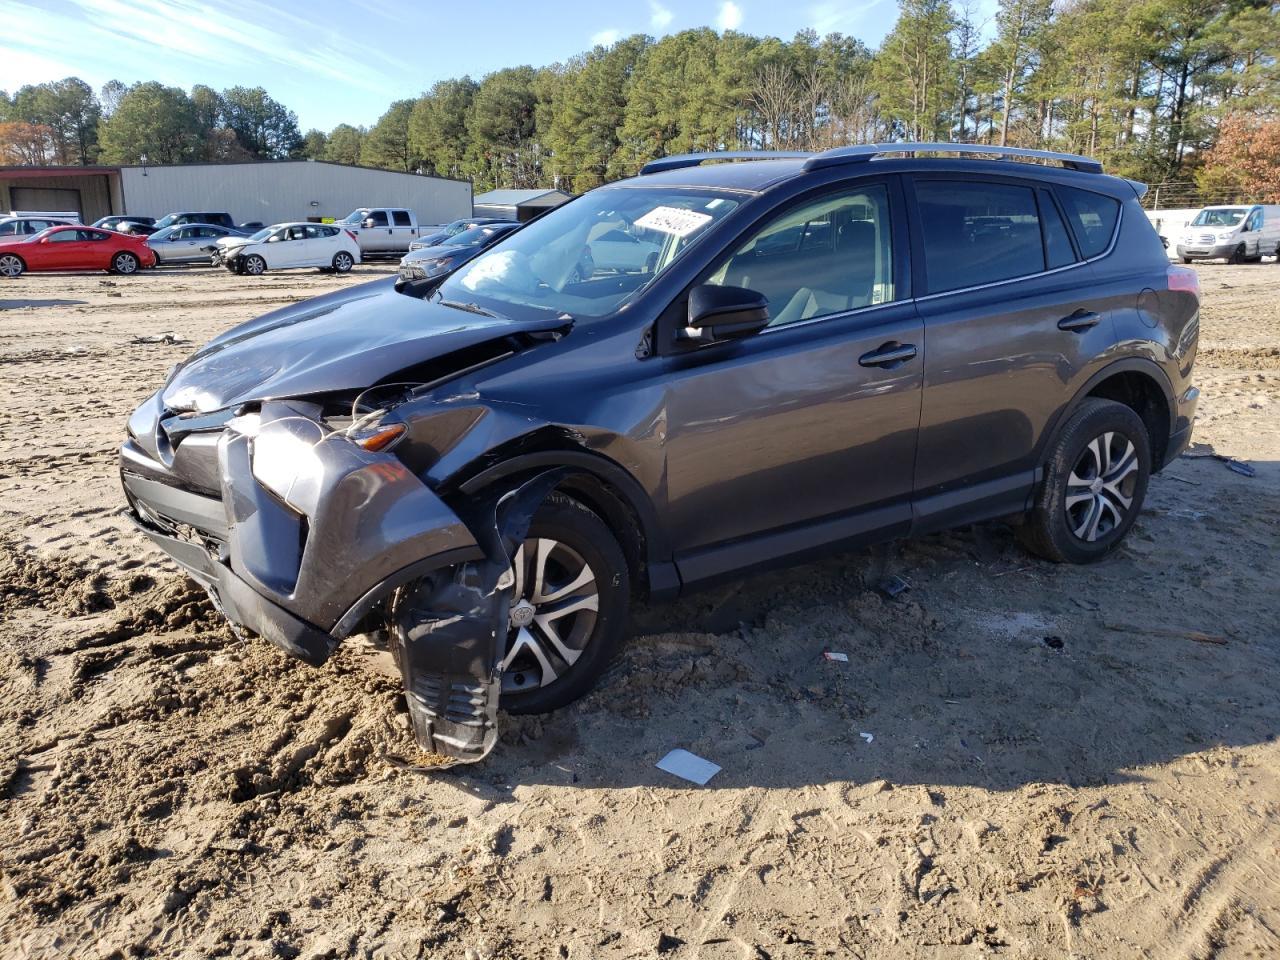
x,y
75,248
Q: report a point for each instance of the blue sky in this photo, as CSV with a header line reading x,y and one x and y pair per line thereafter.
x,y
334,61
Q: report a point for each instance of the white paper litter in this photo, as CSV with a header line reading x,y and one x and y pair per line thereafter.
x,y
837,657
866,736
688,766
676,221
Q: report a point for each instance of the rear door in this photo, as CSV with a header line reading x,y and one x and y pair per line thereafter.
x,y
804,433
1005,300
320,245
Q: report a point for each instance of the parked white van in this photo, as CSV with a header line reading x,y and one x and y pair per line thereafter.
x,y
1241,234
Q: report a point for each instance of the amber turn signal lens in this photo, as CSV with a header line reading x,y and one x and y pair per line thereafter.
x,y
383,438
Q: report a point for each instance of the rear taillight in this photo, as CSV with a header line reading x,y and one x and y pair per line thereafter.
x,y
350,234
1184,279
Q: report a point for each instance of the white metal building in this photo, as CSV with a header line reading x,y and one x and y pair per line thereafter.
x,y
270,191
275,191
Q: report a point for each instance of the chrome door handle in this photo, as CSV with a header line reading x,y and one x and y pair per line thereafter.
x,y
888,355
1079,321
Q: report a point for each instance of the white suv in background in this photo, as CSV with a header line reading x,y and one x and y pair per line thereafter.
x,y
285,245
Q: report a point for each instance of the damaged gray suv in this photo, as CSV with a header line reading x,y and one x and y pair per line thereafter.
x,y
707,369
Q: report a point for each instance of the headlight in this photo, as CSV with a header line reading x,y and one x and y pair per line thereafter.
x,y
283,455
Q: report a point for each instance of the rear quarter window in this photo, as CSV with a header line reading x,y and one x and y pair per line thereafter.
x,y
1093,218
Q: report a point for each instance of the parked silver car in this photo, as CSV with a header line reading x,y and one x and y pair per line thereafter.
x,y
188,242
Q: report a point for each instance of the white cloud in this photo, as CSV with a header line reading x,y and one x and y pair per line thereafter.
x,y
659,16
606,38
845,18
730,17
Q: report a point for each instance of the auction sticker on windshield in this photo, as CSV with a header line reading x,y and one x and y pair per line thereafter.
x,y
676,221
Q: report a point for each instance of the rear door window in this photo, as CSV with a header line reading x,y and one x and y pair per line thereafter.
x,y
1092,216
977,233
402,218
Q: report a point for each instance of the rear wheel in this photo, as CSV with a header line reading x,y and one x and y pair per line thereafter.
x,y
125,263
569,608
343,261
254,265
1095,481
11,265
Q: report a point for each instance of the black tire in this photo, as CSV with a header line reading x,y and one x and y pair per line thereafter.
x,y
253,265
12,266
566,520
1186,259
1051,530
343,262
1237,255
124,263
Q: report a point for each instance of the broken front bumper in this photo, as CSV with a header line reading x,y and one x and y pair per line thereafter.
x,y
297,534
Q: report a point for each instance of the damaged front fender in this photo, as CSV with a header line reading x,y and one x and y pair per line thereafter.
x,y
448,629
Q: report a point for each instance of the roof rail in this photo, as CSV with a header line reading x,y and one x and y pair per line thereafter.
x,y
869,151
693,159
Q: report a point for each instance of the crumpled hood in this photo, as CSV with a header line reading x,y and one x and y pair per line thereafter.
x,y
347,340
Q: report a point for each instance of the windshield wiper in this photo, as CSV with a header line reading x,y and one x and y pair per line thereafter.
x,y
470,308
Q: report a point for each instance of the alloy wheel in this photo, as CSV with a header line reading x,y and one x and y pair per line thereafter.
x,y
125,263
1101,486
10,266
342,262
553,614
255,266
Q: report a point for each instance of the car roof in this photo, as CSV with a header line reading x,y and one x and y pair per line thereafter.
x,y
759,175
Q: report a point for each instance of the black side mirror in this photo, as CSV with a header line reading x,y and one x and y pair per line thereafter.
x,y
725,313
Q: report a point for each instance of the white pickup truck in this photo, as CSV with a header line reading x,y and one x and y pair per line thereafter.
x,y
383,231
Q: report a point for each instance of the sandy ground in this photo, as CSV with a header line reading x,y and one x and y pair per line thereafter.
x,y
1058,762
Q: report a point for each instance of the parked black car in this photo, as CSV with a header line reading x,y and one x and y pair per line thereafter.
x,y
218,219
819,351
428,262
115,220
450,230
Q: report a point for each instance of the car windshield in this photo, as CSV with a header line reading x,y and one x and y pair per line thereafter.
x,y
261,235
163,234
168,221
355,217
565,261
1218,218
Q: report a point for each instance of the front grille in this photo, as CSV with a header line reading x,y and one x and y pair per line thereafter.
x,y
1206,238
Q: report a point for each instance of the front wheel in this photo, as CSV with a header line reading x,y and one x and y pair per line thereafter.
x,y
1237,255
343,261
124,263
254,265
11,265
1095,481
1186,259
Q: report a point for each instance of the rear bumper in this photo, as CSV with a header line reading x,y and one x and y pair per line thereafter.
x,y
302,565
